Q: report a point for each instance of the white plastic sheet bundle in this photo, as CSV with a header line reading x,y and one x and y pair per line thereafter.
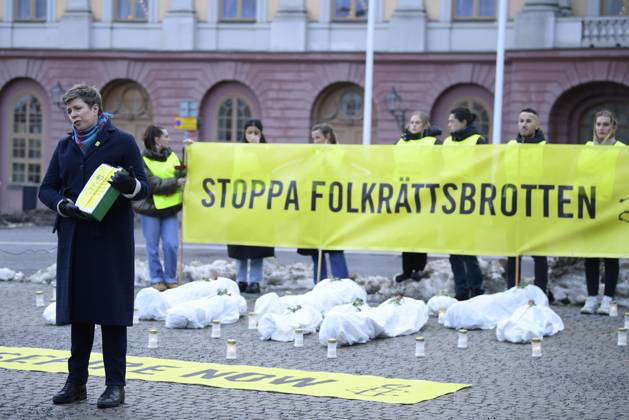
x,y
50,314
400,316
200,313
439,302
281,326
527,322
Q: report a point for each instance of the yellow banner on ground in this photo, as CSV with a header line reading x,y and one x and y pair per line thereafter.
x,y
479,199
289,381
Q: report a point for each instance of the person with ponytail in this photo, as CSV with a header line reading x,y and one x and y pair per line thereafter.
x,y
604,134
468,279
158,212
250,258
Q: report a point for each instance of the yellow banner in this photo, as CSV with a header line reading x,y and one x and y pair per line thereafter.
x,y
479,199
289,381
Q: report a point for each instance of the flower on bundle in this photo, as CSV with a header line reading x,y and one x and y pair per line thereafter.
x,y
396,300
357,303
294,309
223,292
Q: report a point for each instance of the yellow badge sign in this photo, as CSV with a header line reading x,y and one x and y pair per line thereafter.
x,y
484,200
319,384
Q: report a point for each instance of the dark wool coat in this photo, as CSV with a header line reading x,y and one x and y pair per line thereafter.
x,y
95,260
241,252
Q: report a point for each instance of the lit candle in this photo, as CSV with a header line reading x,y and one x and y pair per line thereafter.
x,y
231,349
216,329
627,320
136,316
536,347
613,308
622,336
39,299
462,342
331,348
153,342
299,337
54,293
442,315
253,323
288,293
420,347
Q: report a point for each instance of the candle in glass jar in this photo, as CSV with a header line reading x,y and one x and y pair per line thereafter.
x,y
613,308
253,323
136,316
153,340
231,350
462,341
299,337
627,320
622,336
442,315
331,348
216,329
420,347
39,299
54,293
536,347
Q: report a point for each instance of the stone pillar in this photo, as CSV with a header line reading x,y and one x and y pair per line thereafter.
x,y
289,27
535,24
75,25
179,26
407,28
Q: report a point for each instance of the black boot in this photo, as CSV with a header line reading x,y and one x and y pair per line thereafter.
x,y
404,276
418,275
465,295
254,288
242,286
112,397
476,292
70,393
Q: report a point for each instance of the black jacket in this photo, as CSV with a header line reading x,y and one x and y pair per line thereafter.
x,y
470,130
537,137
159,186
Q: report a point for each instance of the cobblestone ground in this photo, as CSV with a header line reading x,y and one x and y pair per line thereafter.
x,y
582,374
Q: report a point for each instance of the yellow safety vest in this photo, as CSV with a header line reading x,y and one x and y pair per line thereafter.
x,y
473,139
618,143
165,170
514,141
424,140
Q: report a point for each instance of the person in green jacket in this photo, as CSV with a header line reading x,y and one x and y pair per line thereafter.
x,y
158,212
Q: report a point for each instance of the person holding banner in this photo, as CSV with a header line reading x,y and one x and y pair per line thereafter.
x,y
250,258
529,132
605,126
95,260
468,279
418,132
324,134
158,212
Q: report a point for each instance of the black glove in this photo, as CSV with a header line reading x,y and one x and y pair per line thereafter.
x,y
69,209
123,182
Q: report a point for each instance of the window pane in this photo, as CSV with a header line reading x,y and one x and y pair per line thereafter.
x,y
343,8
486,8
225,121
139,10
230,8
613,8
34,170
19,148
248,8
34,117
361,8
19,172
19,115
34,148
124,10
40,9
23,9
244,113
464,8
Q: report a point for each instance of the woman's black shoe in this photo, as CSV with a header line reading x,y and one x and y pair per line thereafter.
x,y
253,288
404,276
112,397
242,286
70,393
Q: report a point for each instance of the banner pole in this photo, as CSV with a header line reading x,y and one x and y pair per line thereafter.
x,y
319,265
180,256
517,271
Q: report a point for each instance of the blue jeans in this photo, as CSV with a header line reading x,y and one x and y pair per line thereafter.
x,y
253,267
166,229
337,262
466,272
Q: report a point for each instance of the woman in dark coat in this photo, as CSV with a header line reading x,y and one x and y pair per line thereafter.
x,y
95,260
250,258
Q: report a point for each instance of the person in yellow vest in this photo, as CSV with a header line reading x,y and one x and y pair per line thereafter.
x,y
529,132
468,279
158,212
419,132
605,126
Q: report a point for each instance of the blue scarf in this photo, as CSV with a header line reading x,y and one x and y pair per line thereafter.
x,y
85,139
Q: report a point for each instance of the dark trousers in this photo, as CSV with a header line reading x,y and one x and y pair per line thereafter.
x,y
467,274
592,267
114,353
541,272
413,261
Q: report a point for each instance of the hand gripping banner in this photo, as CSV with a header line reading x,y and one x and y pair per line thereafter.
x,y
482,199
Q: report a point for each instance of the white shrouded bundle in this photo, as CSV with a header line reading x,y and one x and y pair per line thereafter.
x,y
200,313
152,304
349,324
527,322
281,326
484,311
400,316
436,303
329,293
50,313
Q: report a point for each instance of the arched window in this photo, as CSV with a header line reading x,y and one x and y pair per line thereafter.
x,y
130,105
231,117
26,141
483,119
